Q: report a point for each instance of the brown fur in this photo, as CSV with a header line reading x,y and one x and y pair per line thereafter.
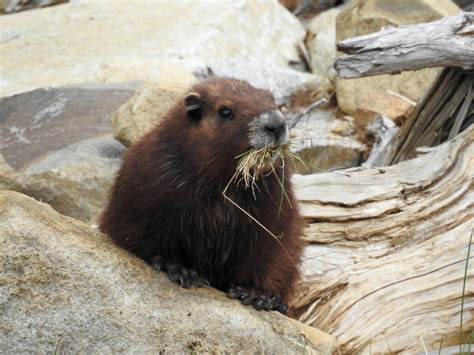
x,y
167,198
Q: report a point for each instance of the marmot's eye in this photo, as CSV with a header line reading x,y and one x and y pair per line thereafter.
x,y
225,113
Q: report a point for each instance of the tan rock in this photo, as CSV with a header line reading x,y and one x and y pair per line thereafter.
x,y
378,94
5,168
321,43
67,288
117,40
74,181
145,108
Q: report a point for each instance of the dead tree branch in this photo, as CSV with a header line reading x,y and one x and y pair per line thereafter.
x,y
447,42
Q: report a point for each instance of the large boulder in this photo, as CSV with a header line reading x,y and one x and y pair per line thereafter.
x,y
321,43
67,288
37,123
282,82
74,180
112,41
392,96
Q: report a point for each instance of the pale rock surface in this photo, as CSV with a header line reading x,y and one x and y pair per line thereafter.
x,y
74,181
66,288
321,43
392,96
282,82
113,41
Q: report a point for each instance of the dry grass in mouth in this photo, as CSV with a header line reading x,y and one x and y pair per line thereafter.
x,y
256,162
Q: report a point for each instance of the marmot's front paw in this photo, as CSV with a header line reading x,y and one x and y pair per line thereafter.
x,y
257,298
178,273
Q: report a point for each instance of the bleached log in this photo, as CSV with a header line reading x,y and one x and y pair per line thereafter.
x,y
446,109
447,42
388,246
383,130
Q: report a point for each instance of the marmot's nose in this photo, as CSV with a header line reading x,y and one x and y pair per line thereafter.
x,y
276,128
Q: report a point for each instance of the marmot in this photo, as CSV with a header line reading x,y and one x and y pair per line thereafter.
x,y
167,206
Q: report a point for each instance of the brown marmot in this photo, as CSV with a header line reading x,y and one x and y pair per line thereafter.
x,y
167,206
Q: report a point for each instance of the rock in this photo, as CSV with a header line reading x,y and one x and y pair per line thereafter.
x,y
10,6
5,168
324,143
282,82
42,121
306,10
113,41
74,181
321,43
391,96
146,107
67,288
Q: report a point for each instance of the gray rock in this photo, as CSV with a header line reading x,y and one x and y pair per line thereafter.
x,y
101,154
11,6
321,42
66,288
74,181
282,82
39,122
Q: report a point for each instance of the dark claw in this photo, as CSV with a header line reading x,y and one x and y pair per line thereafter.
x,y
282,308
259,304
257,298
267,304
243,295
157,262
174,276
179,274
246,300
202,283
233,293
193,275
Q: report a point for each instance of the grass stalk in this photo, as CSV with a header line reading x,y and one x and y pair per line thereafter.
x,y
463,293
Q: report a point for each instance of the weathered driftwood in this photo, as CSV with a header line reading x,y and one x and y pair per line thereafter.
x,y
446,109
448,42
448,106
385,266
383,130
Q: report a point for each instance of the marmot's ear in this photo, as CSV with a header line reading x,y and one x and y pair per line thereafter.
x,y
193,107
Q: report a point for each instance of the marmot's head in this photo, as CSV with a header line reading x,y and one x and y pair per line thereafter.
x,y
228,107
220,119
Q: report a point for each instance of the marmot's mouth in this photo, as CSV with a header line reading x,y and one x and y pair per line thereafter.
x,y
256,163
268,130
